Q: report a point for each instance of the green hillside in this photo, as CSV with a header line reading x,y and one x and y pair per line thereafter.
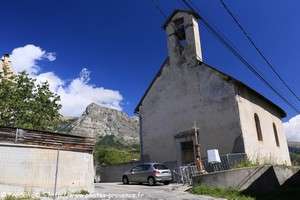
x,y
110,150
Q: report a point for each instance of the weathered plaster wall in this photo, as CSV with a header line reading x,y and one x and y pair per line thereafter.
x,y
192,51
186,92
265,151
181,95
26,168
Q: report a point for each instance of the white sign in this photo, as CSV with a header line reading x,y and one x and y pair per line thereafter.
x,y
213,156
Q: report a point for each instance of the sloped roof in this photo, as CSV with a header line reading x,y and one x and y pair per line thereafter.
x,y
235,81
175,12
45,139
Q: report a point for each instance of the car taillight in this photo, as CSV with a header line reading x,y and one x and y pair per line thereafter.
x,y
156,172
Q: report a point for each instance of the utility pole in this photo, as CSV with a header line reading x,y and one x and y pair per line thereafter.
x,y
197,151
56,172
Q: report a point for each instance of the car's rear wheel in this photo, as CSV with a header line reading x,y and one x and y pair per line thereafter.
x,y
151,181
166,182
125,180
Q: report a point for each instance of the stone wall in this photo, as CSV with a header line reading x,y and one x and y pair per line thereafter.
x,y
27,168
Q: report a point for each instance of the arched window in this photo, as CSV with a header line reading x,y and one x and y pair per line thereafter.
x,y
258,128
276,135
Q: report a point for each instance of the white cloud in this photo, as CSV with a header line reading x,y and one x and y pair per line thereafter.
x,y
292,129
75,94
25,58
51,56
54,81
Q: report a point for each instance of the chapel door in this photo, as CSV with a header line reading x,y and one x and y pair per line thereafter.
x,y
187,152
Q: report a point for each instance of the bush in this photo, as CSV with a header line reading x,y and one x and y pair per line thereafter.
x,y
24,197
111,155
245,163
295,158
82,192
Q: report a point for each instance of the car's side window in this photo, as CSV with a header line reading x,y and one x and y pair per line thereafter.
x,y
137,168
146,167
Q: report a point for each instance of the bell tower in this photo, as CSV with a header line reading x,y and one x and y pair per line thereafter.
x,y
183,37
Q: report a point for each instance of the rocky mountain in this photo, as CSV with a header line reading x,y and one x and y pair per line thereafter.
x,y
98,121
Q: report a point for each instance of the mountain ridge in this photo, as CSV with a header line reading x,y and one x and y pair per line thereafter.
x,y
98,121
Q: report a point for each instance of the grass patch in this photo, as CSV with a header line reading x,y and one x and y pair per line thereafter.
x,y
24,197
245,163
82,192
229,194
287,193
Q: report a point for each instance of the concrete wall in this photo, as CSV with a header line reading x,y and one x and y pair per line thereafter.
x,y
182,95
27,168
255,180
234,178
265,151
113,173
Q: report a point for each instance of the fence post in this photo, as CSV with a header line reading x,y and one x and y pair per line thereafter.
x,y
17,133
56,174
181,174
228,162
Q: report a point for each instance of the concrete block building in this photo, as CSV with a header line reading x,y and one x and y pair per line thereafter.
x,y
231,116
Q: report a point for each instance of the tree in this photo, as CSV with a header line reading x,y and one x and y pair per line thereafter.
x,y
110,150
26,104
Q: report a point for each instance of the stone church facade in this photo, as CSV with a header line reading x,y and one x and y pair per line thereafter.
x,y
231,116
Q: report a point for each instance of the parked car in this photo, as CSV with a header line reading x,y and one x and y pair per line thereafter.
x,y
150,173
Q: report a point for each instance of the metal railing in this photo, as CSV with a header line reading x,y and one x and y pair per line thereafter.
x,y
184,174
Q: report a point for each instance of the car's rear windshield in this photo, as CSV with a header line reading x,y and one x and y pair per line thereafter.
x,y
159,166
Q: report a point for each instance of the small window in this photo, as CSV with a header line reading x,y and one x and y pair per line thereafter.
x,y
180,30
276,135
258,128
180,34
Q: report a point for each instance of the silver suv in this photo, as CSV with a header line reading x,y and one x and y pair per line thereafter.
x,y
150,173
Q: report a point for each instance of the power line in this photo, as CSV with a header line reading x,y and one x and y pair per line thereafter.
x,y
156,5
257,49
235,52
231,47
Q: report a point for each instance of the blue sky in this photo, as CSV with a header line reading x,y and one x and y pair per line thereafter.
x,y
122,44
